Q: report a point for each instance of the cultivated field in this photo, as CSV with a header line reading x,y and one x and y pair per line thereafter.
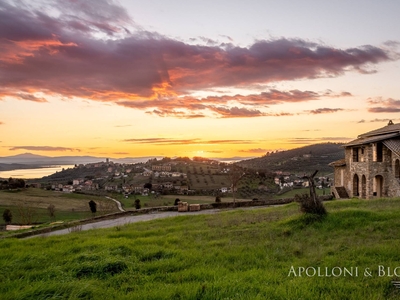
x,y
241,254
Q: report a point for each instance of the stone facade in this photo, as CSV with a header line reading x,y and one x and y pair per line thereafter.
x,y
371,165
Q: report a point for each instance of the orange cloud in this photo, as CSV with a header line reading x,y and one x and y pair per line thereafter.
x,y
43,148
196,141
256,150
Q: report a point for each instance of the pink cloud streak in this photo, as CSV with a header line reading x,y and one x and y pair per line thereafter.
x,y
145,70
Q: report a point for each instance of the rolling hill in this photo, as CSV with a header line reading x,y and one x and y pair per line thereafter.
x,y
300,160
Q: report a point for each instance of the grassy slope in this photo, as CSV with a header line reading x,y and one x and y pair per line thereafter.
x,y
241,254
321,156
68,206
168,200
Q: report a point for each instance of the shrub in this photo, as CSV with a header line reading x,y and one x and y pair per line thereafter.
x,y
137,204
177,200
217,199
309,205
7,216
93,206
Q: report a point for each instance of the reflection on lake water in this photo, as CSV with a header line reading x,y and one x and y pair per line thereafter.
x,y
33,173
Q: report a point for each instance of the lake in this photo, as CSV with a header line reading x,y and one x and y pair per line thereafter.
x,y
33,173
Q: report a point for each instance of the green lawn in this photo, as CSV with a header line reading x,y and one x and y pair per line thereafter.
x,y
292,193
239,254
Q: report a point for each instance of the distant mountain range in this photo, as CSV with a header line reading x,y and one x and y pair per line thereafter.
x,y
34,159
300,160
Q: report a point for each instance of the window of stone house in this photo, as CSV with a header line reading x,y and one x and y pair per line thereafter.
x,y
379,152
355,154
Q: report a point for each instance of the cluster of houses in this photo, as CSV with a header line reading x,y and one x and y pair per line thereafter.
x,y
371,168
288,180
77,185
177,188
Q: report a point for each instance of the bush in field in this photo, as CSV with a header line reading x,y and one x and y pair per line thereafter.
x,y
217,199
7,216
177,200
309,205
93,206
137,204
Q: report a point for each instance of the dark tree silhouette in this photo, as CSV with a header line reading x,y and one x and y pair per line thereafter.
x,y
148,185
93,206
137,204
7,216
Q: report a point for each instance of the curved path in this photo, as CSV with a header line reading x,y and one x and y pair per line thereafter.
x,y
118,203
125,220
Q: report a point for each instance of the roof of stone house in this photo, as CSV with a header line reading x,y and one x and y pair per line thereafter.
x,y
338,163
389,131
371,139
393,145
390,128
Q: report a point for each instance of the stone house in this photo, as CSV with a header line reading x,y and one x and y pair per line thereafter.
x,y
371,167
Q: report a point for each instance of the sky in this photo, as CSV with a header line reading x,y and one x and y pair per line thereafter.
x,y
218,79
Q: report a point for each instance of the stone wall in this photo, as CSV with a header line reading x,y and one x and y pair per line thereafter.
x,y
370,173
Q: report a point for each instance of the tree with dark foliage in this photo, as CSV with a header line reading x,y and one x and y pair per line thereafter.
x,y
148,185
93,206
7,216
137,204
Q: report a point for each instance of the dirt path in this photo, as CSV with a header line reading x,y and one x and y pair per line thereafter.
x,y
118,203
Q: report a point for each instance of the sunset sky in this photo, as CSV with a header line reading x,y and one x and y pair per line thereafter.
x,y
223,78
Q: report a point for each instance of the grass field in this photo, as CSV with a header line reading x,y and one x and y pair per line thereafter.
x,y
35,201
166,200
292,193
239,254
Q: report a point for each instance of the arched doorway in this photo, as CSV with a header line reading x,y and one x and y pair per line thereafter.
x,y
356,183
363,187
378,186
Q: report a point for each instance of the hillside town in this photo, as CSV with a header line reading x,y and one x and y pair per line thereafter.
x,y
180,176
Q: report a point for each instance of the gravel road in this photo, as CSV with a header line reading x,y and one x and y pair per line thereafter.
x,y
127,220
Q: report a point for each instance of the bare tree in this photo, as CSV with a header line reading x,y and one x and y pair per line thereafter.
x,y
52,211
28,215
235,174
311,204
